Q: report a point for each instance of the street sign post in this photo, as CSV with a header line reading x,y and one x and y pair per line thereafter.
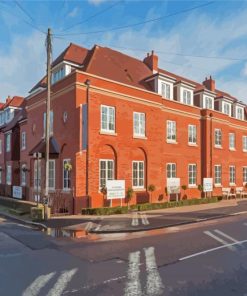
x,y
207,185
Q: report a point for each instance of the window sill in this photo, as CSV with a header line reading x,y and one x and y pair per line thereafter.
x,y
139,137
232,149
217,185
171,142
192,186
232,184
192,145
23,149
218,147
244,150
139,189
66,190
108,133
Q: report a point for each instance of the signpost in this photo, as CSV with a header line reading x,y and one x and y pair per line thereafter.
x,y
17,192
173,186
115,189
207,185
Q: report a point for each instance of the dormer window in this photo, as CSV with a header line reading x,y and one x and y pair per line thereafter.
x,y
208,102
226,108
187,97
239,113
166,90
58,74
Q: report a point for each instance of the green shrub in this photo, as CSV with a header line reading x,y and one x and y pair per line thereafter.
x,y
148,206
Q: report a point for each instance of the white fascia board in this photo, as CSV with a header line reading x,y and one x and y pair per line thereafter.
x,y
167,78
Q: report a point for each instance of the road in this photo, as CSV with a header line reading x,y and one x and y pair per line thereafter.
x,y
207,258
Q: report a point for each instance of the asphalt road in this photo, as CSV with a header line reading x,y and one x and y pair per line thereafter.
x,y
209,258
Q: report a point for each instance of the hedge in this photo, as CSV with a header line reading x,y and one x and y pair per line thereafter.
x,y
147,206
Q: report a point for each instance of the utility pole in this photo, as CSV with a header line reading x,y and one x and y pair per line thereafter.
x,y
47,128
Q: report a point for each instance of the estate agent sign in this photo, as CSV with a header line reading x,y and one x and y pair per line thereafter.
x,y
115,189
17,192
207,184
173,185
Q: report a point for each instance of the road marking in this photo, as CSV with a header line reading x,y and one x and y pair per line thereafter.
x,y
144,219
135,221
62,282
133,286
154,283
212,250
98,227
226,236
223,242
38,284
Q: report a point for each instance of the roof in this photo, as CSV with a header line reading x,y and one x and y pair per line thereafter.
x,y
16,101
73,53
19,116
111,64
41,148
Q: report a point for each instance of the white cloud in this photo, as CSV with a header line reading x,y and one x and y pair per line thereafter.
x,y
96,2
73,12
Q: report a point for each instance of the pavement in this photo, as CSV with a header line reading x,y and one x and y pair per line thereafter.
x,y
137,221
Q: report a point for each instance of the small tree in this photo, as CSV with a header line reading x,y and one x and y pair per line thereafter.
x,y
129,195
184,187
103,190
200,188
151,188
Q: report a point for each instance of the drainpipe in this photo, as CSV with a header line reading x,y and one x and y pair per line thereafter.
x,y
211,145
88,82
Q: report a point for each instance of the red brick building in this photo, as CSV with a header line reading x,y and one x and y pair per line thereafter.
x,y
117,117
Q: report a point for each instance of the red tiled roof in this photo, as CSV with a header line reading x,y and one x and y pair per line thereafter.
x,y
16,101
73,53
117,66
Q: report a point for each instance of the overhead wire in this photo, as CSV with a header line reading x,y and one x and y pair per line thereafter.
x,y
139,23
93,16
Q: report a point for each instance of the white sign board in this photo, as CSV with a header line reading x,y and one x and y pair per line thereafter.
x,y
207,184
115,189
173,185
17,192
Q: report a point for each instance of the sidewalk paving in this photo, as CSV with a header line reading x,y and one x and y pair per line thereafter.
x,y
140,221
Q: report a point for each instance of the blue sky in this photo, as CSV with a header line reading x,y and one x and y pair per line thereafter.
x,y
211,40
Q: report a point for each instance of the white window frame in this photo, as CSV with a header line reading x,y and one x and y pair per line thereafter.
x,y
66,176
8,142
171,131
239,116
109,172
23,176
139,124
232,174
192,169
206,102
192,134
217,175
140,184
37,175
110,113
244,142
1,147
232,144
166,90
229,105
23,140
51,123
244,175
9,175
171,170
52,177
1,175
187,96
217,137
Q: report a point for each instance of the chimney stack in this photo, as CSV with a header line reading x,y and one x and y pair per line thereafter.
x,y
151,60
209,83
